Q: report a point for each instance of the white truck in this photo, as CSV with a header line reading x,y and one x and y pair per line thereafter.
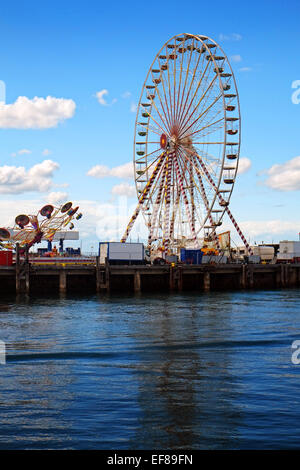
x,y
121,253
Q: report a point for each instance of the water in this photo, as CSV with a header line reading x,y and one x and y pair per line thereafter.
x,y
205,371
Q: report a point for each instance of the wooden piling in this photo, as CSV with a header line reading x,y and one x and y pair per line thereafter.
x,y
137,282
206,281
62,281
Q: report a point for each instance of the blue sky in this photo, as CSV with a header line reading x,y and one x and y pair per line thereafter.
x,y
72,50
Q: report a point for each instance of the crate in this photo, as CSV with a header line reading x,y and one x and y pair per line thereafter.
x,y
5,258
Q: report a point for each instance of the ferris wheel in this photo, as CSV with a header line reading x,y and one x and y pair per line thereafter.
x,y
187,143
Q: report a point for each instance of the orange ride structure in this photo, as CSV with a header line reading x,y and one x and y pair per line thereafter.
x,y
186,145
31,229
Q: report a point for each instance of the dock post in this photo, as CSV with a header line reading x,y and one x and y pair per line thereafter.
x,y
243,279
282,275
137,282
171,279
98,278
18,284
62,281
27,270
27,279
180,279
278,276
107,275
206,281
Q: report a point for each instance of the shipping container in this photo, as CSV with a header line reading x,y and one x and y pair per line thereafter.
x,y
5,258
121,253
191,256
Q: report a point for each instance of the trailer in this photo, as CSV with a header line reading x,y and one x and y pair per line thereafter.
x,y
121,253
264,252
289,252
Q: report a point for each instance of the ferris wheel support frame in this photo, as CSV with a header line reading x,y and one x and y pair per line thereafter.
x,y
236,226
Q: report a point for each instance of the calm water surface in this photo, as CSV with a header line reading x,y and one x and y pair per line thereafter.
x,y
205,371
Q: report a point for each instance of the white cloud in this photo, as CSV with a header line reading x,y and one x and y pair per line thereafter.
x,y
46,152
56,197
284,177
256,228
100,96
16,180
126,94
21,152
38,113
133,107
236,58
124,189
103,171
245,69
266,230
230,37
244,165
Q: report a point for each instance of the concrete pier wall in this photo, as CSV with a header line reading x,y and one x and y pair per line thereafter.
x,y
35,279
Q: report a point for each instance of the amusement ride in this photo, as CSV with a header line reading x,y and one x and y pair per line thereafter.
x,y
186,145
31,229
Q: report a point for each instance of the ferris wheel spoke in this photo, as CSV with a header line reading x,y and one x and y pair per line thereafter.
x,y
165,98
166,123
169,89
150,128
166,112
190,87
201,115
174,83
150,116
186,119
183,116
185,81
179,86
210,116
198,131
144,157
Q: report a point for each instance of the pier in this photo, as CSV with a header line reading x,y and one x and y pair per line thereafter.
x,y
31,278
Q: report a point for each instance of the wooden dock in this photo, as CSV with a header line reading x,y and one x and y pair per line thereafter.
x,y
33,278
